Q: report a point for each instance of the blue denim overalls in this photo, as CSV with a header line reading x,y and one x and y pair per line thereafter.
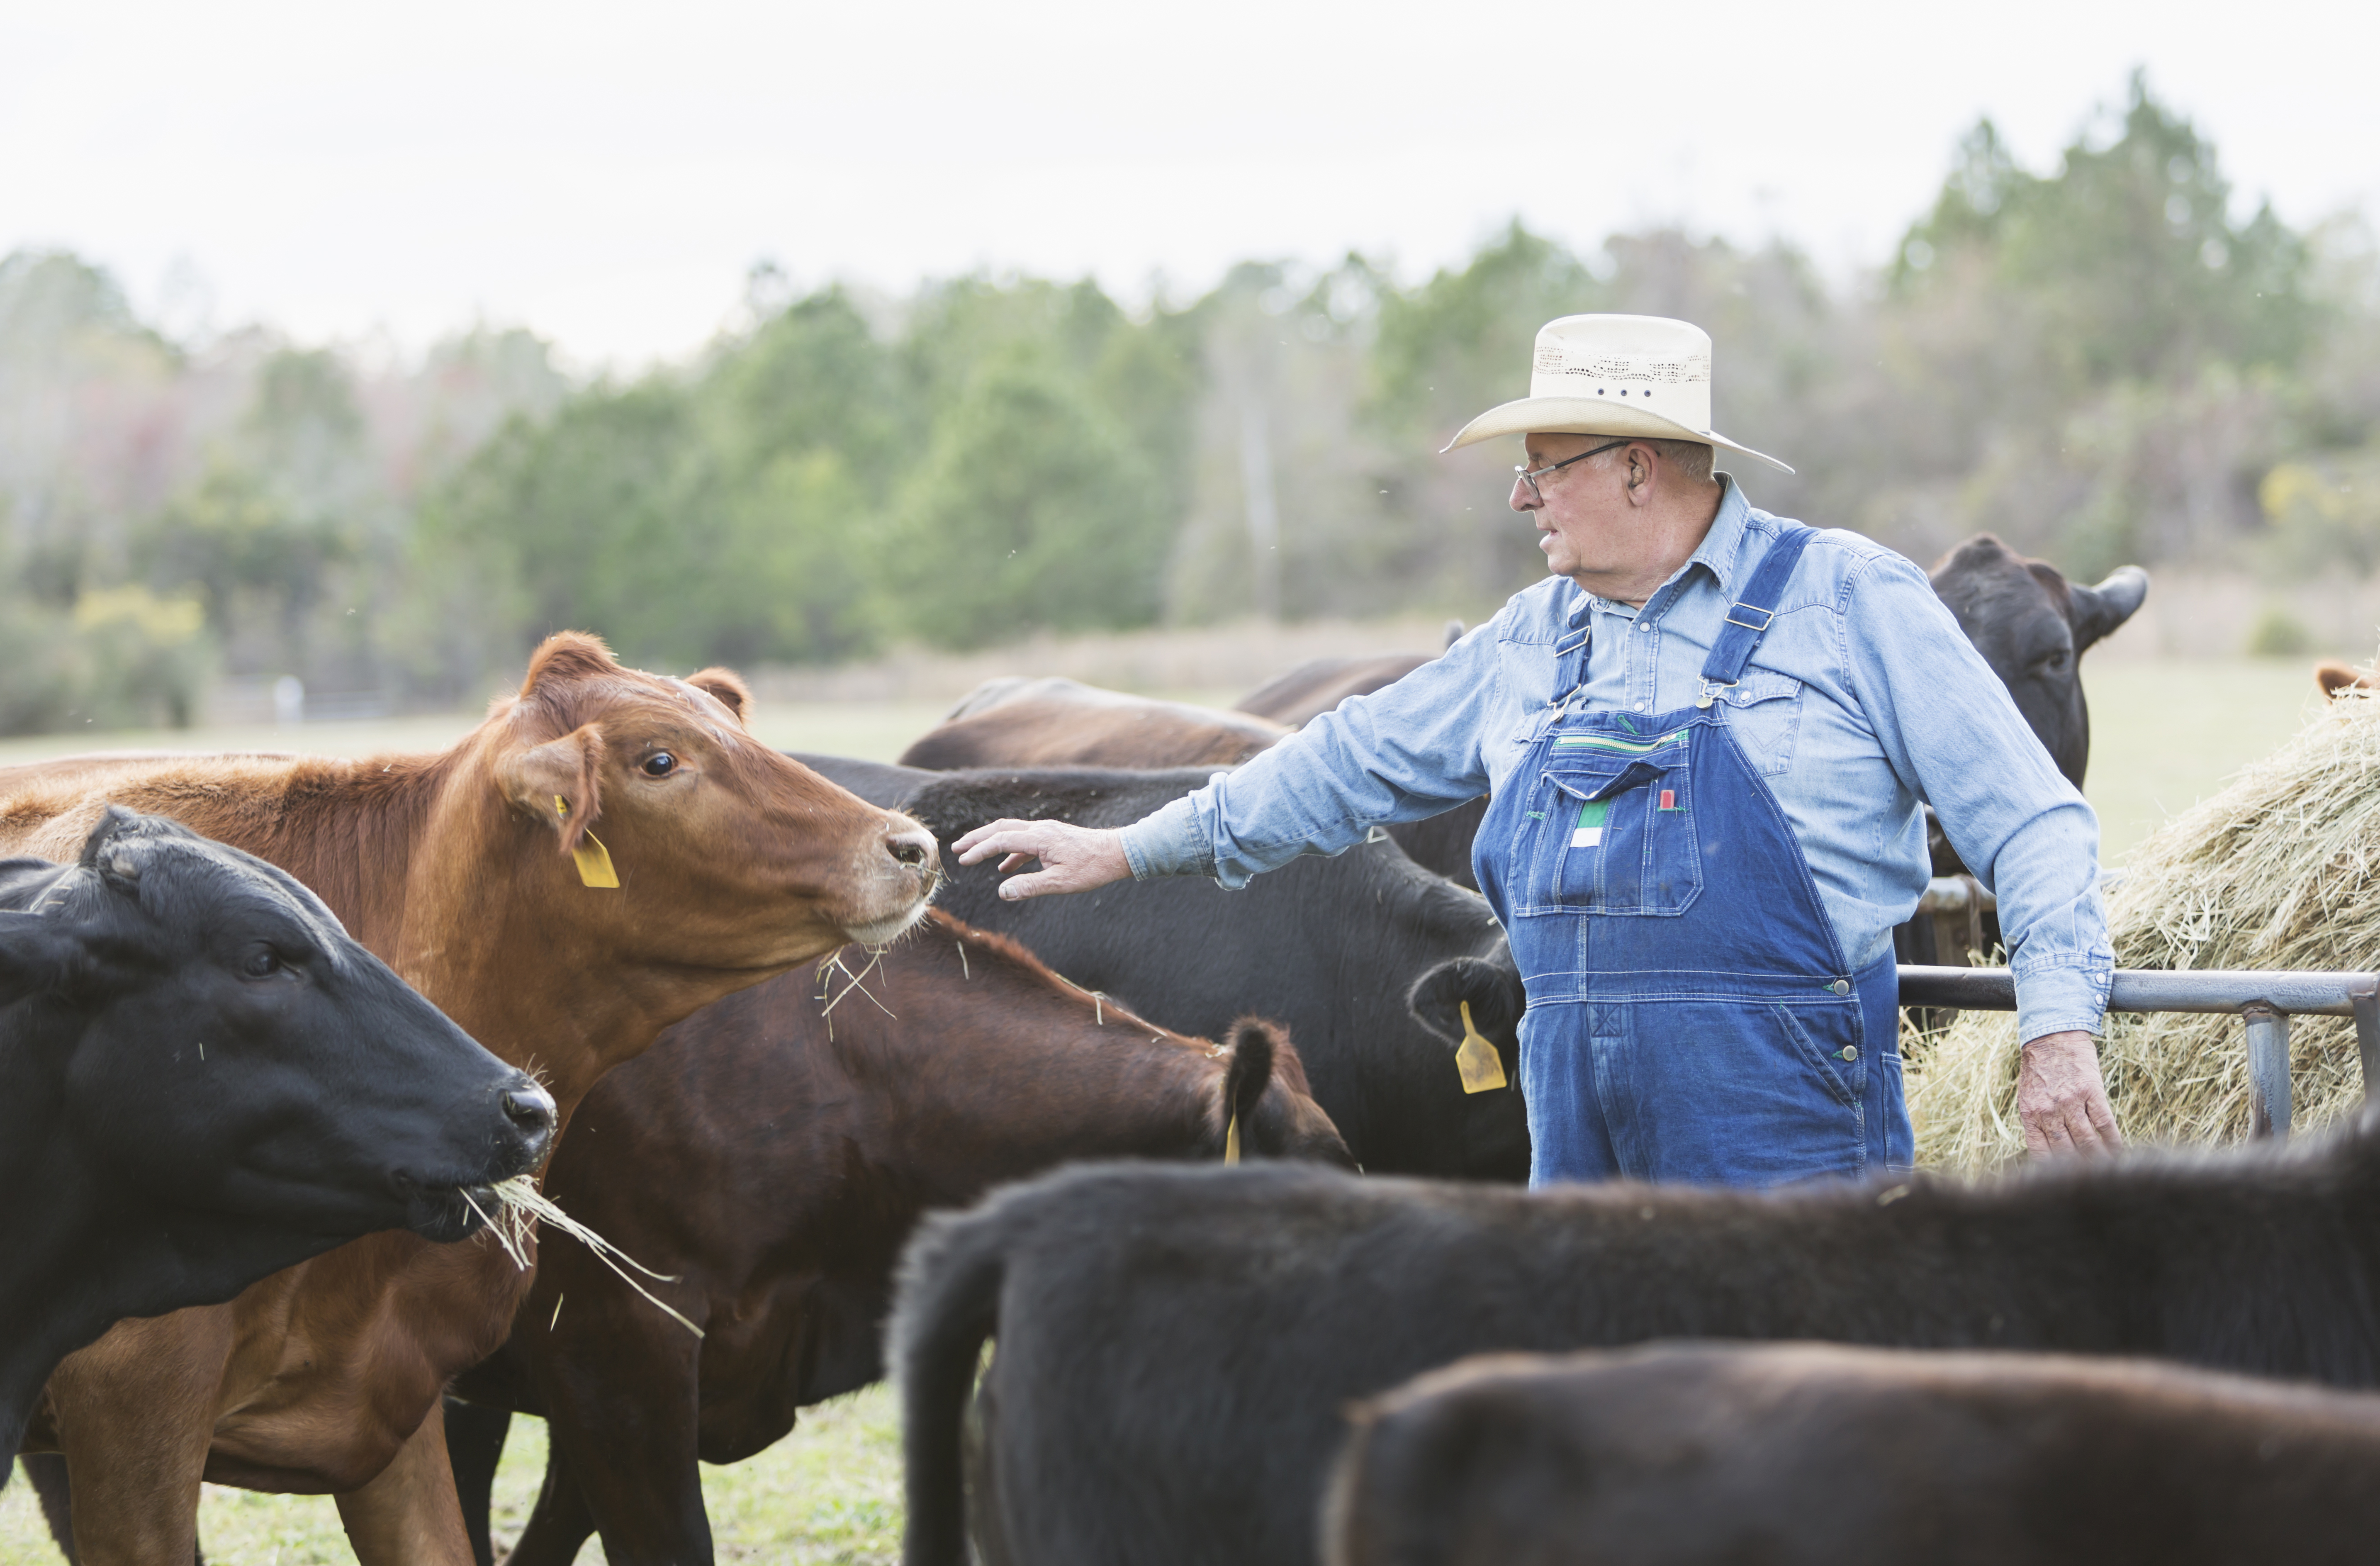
x,y
1691,1015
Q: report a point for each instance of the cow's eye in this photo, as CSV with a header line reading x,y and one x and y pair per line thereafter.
x,y
659,764
263,963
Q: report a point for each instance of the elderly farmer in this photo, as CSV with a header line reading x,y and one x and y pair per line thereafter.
x,y
1706,738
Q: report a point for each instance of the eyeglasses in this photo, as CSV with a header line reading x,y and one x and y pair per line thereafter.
x,y
1530,476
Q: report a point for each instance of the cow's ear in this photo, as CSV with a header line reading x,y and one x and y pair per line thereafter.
x,y
559,782
1493,991
729,687
2099,611
1254,1042
36,955
2336,677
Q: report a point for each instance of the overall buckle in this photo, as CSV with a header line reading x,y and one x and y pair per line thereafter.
x,y
1766,617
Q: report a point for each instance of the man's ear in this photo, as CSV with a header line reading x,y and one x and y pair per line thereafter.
x,y
729,687
559,782
1641,459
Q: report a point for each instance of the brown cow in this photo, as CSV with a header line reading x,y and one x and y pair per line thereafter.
x,y
1809,1454
1021,723
474,873
775,1149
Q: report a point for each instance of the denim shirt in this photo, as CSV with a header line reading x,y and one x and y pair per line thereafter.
x,y
1864,699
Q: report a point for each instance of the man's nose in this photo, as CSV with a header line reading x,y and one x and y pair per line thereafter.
x,y
1523,499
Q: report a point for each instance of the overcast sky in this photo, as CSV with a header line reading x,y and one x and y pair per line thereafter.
x,y
605,173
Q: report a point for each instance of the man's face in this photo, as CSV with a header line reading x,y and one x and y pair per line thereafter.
x,y
1582,524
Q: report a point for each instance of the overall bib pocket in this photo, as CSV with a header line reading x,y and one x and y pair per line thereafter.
x,y
1610,828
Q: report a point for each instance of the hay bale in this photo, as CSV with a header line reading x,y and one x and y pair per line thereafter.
x,y
2280,870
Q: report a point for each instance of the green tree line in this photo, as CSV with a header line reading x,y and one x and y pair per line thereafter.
x,y
2112,360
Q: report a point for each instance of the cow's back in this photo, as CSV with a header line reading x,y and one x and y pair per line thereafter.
x,y
1814,1455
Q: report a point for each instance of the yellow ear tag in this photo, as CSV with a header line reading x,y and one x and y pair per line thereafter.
x,y
1232,1139
1477,1058
594,862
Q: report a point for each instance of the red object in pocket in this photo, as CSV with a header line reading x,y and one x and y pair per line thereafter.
x,y
1668,799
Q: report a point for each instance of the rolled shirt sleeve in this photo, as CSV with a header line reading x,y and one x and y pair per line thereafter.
x,y
1950,730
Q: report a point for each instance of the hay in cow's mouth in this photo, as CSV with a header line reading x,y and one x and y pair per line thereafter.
x,y
513,1204
445,1214
2281,869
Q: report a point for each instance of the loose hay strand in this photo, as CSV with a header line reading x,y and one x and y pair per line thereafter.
x,y
2280,870
520,1205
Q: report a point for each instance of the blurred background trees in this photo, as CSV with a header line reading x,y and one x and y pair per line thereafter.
x,y
2110,360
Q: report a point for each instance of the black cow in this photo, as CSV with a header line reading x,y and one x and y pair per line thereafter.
x,y
1366,958
1176,1347
1813,1456
2033,627
203,1081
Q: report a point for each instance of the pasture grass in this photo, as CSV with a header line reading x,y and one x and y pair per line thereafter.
x,y
828,1495
2166,733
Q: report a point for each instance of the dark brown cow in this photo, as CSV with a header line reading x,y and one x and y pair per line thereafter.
x,y
1814,1455
467,872
1313,688
774,1151
1018,722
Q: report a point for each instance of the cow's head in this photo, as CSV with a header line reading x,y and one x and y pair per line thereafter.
x,y
228,1060
1265,1088
2033,627
731,859
1495,1138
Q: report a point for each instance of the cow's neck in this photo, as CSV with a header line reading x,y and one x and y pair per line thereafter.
x,y
74,1266
1102,1084
539,987
430,869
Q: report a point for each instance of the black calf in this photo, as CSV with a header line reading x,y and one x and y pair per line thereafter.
x,y
1812,1455
203,1081
1176,1347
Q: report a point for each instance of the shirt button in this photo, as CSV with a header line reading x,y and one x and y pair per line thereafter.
x,y
1642,626
1639,707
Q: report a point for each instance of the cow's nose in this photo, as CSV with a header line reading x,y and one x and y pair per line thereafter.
x,y
530,1108
914,848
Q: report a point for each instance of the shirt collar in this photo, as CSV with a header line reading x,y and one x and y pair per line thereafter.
x,y
1723,544
1717,553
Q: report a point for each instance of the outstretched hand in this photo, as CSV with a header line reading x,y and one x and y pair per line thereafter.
x,y
1073,858
2062,1099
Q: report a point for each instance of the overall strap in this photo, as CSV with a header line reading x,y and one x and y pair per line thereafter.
x,y
1748,620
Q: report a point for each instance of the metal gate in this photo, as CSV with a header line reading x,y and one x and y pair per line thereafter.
x,y
2263,1001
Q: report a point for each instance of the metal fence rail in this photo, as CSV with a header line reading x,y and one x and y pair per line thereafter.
x,y
2264,1001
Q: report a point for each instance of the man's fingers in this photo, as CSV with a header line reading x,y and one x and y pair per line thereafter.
x,y
1016,861
2051,1127
998,837
2076,1119
2103,1117
2036,1143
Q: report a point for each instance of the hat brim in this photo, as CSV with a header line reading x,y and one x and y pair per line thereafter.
x,y
1591,416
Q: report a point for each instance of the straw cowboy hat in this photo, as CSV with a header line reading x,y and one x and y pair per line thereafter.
x,y
1640,375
